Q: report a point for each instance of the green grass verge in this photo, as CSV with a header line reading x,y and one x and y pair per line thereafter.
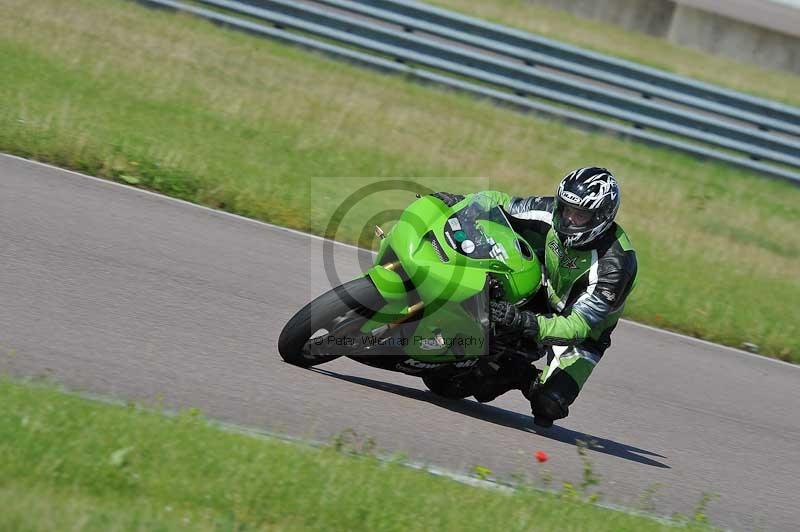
x,y
251,126
614,40
74,464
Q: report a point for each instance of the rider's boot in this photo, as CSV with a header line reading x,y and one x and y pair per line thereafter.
x,y
551,400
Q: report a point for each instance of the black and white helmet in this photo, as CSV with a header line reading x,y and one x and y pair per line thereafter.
x,y
586,203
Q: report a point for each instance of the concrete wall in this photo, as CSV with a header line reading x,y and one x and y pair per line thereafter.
x,y
649,16
782,16
755,31
738,40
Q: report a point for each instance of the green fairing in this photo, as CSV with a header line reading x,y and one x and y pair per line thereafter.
x,y
388,283
391,287
450,317
444,286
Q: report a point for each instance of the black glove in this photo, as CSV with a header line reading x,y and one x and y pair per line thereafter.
x,y
509,317
447,198
504,314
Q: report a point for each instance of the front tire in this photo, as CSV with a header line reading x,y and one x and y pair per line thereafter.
x,y
357,299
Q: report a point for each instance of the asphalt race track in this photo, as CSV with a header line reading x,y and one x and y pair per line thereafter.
x,y
131,295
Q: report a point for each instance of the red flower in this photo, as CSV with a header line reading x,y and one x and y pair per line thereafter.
x,y
541,456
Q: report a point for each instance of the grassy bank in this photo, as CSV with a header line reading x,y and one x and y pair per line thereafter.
x,y
251,126
74,464
614,40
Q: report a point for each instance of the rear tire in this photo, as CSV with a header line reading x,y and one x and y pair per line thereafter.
x,y
359,295
449,389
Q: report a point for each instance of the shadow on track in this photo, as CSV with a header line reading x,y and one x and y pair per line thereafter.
x,y
507,418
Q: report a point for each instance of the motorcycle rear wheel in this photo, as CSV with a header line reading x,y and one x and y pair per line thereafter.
x,y
449,388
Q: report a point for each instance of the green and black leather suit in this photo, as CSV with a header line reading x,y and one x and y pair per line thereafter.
x,y
586,289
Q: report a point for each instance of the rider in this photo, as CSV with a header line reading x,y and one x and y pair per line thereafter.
x,y
589,270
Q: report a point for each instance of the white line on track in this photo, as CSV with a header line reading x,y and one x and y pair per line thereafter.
x,y
351,246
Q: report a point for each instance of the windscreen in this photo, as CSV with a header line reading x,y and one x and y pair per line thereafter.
x,y
473,230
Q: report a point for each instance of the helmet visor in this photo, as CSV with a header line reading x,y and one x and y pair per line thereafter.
x,y
572,220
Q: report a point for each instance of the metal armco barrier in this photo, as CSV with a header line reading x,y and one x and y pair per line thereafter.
x,y
528,72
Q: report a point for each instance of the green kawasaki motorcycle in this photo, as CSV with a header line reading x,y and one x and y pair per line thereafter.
x,y
423,308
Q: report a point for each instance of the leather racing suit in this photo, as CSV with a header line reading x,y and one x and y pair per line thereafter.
x,y
585,288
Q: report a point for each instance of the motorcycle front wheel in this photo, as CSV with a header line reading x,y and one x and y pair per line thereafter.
x,y
345,308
